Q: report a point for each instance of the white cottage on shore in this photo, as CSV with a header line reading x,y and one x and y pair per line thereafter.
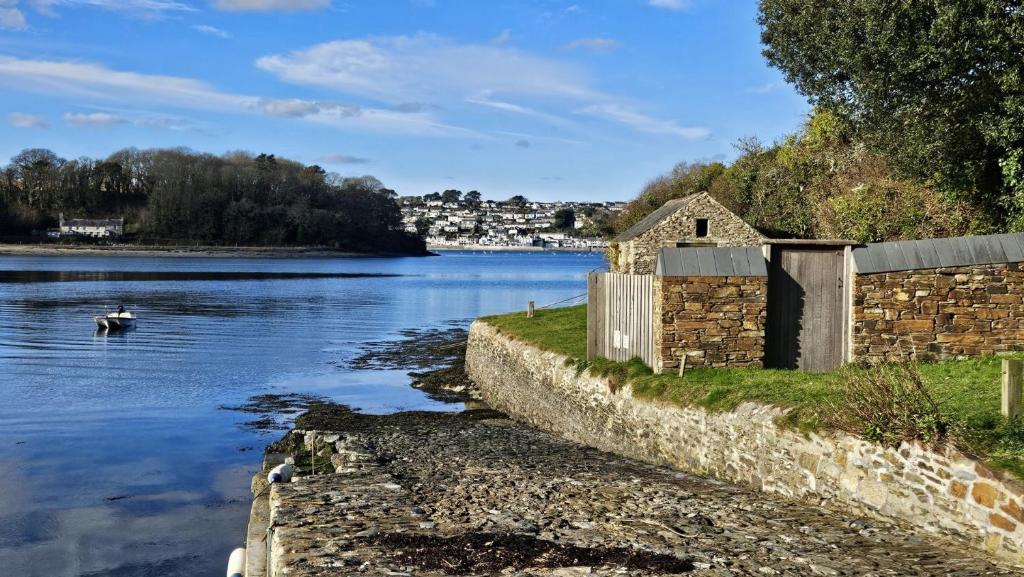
x,y
96,228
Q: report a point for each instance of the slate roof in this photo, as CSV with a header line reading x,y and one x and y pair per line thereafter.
x,y
648,222
711,261
939,253
93,222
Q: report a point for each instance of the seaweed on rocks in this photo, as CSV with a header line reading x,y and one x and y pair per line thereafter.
x,y
417,349
441,351
273,410
475,553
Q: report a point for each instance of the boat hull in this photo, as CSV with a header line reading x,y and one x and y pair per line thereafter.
x,y
114,323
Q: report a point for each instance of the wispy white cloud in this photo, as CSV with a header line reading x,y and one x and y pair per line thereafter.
x,y
643,123
537,137
426,67
430,68
12,18
270,5
22,120
343,159
671,4
486,99
595,44
767,87
96,82
149,8
211,31
93,119
502,38
137,118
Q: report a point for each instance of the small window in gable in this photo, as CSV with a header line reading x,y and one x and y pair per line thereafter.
x,y
702,227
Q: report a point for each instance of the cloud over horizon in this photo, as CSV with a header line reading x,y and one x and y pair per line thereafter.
x,y
594,44
97,82
426,67
639,121
211,30
22,120
343,159
671,4
270,5
93,119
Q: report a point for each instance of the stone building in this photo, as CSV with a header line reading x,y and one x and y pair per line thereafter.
x,y
695,220
711,315
814,305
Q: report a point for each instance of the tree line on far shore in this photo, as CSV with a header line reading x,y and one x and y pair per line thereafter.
x,y
917,129
177,195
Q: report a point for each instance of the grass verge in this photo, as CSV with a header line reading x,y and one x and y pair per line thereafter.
x,y
965,394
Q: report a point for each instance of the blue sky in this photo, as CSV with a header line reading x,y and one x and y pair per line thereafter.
x,y
546,98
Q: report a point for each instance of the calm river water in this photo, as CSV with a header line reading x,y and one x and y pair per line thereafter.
x,y
115,458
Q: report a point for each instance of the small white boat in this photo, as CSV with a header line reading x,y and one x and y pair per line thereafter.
x,y
236,563
116,320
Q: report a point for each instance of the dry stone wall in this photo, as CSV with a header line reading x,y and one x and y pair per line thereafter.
x,y
714,321
943,492
935,314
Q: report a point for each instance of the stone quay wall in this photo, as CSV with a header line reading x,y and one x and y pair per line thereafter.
x,y
714,321
944,313
942,492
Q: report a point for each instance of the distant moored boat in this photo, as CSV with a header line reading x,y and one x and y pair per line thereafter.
x,y
116,320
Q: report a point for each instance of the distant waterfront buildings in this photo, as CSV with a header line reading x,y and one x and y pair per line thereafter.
x,y
507,223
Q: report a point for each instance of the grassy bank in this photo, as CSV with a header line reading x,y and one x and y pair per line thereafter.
x,y
966,394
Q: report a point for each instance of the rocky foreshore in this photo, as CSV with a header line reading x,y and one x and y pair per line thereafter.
x,y
475,493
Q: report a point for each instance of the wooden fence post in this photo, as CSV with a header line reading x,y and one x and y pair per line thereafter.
x,y
1011,387
529,310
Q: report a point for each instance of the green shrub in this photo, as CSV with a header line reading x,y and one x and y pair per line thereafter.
x,y
889,404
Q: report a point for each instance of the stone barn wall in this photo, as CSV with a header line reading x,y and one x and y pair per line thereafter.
x,y
716,321
639,255
936,314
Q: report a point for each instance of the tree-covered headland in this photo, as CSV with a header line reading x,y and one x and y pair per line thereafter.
x,y
917,129
177,196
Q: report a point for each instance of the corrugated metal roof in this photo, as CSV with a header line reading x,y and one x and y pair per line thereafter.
x,y
939,253
711,261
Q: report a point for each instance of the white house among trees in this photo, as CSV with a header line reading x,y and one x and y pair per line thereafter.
x,y
97,228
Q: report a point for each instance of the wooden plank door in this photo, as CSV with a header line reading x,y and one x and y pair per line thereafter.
x,y
806,323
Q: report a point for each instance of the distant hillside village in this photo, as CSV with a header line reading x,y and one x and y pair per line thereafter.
x,y
451,219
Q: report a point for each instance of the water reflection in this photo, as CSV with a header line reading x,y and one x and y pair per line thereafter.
x,y
116,457
41,276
